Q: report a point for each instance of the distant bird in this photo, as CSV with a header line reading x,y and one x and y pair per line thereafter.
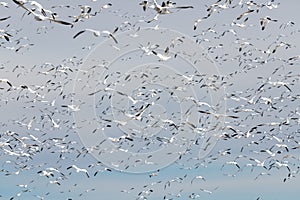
x,y
5,35
97,33
41,17
78,170
272,154
73,107
6,81
55,125
264,21
281,146
135,34
278,84
262,174
4,4
39,7
198,177
231,163
144,4
134,101
163,57
258,163
164,8
23,47
105,6
46,173
149,48
244,14
217,115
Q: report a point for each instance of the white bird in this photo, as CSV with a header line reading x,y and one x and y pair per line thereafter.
x,y
200,20
244,14
41,17
149,48
264,21
135,34
165,8
279,84
97,33
282,146
54,182
105,6
73,107
271,5
6,81
241,25
162,57
55,125
217,115
134,101
138,114
39,7
29,125
258,163
23,47
78,170
198,177
279,165
262,174
4,4
144,4
207,191
45,173
5,35
231,163
272,154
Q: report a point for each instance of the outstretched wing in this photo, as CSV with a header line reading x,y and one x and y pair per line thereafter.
x,y
77,34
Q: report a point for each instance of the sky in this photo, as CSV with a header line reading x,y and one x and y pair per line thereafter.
x,y
220,65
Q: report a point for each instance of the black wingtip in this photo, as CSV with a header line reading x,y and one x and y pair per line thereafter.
x,y
77,34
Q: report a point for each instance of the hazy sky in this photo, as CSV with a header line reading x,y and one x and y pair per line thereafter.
x,y
52,64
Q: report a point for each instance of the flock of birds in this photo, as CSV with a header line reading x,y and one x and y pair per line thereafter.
x,y
261,130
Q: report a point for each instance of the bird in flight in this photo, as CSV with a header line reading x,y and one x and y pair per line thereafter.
x,y
264,21
97,33
163,57
41,17
77,169
164,8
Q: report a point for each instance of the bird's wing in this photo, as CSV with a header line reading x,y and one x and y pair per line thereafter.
x,y
5,18
6,37
61,22
22,5
113,37
116,29
79,33
182,7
